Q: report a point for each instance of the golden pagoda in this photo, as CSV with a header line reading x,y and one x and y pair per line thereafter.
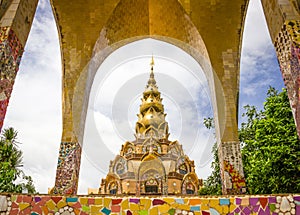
x,y
151,164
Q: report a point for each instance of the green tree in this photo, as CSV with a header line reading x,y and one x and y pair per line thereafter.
x,y
212,185
270,147
11,163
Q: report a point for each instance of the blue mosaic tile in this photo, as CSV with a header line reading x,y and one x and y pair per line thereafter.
x,y
105,211
224,202
72,199
195,208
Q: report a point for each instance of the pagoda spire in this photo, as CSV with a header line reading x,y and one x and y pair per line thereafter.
x,y
151,118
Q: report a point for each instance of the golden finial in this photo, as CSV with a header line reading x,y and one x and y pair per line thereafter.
x,y
152,62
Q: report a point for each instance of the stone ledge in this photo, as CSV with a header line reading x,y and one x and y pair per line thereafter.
x,y
110,205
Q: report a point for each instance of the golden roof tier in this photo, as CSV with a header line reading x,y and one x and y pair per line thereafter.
x,y
151,164
151,119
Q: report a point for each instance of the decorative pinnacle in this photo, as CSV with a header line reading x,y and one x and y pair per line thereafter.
x,y
151,79
152,63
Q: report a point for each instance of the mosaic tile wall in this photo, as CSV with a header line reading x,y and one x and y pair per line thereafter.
x,y
287,46
83,205
232,173
67,171
11,52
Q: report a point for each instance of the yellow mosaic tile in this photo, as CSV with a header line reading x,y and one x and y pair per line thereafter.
x,y
225,209
71,203
204,207
213,203
169,200
61,204
51,205
95,208
83,200
124,204
134,207
22,206
184,207
232,207
107,202
163,208
153,211
218,207
146,203
204,201
197,213
98,201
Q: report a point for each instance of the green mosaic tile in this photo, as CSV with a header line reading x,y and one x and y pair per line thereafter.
x,y
85,208
143,212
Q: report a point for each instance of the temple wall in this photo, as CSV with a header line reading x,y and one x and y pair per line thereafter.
x,y
246,205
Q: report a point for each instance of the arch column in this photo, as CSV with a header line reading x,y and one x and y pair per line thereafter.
x,y
15,22
283,21
230,159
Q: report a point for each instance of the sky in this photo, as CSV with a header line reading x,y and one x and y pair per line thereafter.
x,y
35,106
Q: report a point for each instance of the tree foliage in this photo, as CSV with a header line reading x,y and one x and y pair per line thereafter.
x,y
212,185
10,165
270,149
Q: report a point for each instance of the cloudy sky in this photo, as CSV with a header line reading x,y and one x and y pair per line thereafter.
x,y
35,105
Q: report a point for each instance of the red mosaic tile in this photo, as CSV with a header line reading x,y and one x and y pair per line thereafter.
x,y
26,211
76,205
263,201
27,199
115,208
56,199
14,212
205,213
158,202
91,201
116,201
14,205
37,209
19,199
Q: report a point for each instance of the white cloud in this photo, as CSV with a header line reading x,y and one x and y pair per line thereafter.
x,y
259,67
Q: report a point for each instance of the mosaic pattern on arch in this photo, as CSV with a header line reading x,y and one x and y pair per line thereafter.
x,y
11,51
67,172
232,169
83,205
287,46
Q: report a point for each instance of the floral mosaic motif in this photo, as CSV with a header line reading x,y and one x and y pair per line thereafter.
x,y
83,205
67,169
287,46
233,180
11,51
237,181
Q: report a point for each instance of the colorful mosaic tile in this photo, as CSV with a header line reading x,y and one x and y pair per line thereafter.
x,y
11,51
232,171
246,205
287,46
67,172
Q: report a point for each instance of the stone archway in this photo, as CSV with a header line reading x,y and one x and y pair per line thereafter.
x,y
176,22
